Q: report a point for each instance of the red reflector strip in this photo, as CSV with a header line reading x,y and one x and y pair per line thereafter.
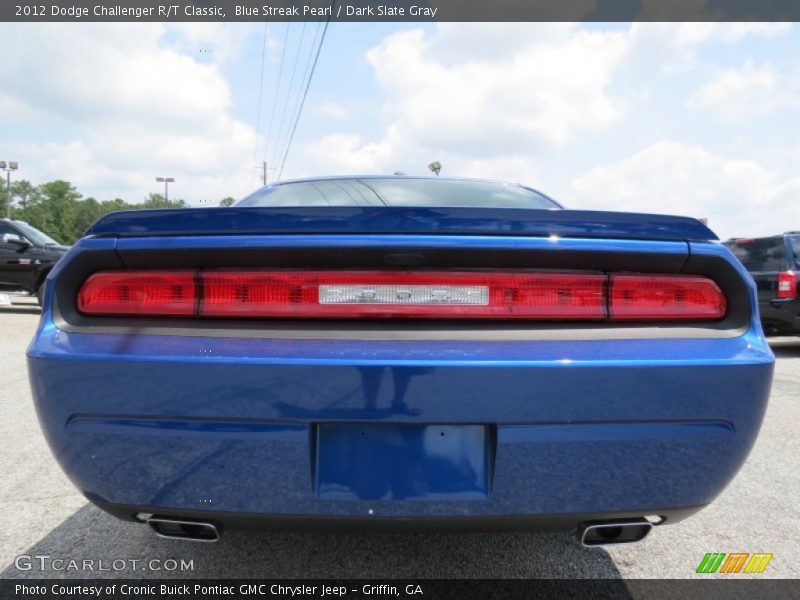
x,y
139,293
787,285
354,294
387,294
665,297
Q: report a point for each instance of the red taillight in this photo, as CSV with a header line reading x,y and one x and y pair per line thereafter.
x,y
139,293
787,285
635,297
402,294
387,294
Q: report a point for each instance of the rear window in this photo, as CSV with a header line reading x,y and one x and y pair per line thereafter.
x,y
795,239
399,192
766,254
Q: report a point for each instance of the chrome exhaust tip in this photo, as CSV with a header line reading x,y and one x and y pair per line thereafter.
x,y
619,531
195,531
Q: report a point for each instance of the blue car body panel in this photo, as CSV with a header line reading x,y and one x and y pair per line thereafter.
x,y
234,430
397,427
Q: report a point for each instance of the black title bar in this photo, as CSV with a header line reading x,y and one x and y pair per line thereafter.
x,y
399,10
424,589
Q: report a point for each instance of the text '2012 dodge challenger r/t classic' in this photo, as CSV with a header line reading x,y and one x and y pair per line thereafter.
x,y
400,350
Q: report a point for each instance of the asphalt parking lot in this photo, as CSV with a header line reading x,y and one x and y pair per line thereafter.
x,y
42,514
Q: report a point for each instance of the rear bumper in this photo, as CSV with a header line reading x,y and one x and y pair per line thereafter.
x,y
232,426
239,520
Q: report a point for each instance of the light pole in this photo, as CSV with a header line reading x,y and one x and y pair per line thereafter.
x,y
166,181
11,166
263,168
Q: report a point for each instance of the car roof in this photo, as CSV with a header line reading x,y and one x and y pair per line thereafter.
x,y
378,176
406,177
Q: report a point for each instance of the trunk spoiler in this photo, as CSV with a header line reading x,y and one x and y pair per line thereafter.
x,y
398,220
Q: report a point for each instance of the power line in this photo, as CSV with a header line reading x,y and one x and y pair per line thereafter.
x,y
306,70
277,89
305,92
279,137
303,79
260,90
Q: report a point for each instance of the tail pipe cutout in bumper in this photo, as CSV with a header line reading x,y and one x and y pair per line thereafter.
x,y
618,531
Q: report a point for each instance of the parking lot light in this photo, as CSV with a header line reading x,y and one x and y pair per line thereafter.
x,y
166,181
8,167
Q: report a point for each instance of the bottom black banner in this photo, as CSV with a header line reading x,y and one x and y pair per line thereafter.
x,y
424,589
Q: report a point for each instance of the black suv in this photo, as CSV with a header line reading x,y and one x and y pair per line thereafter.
x,y
774,263
26,256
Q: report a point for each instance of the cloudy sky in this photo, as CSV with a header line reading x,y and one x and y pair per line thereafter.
x,y
695,119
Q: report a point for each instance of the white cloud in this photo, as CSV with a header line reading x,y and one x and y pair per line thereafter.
x,y
728,92
482,94
134,105
673,47
695,33
350,153
500,94
750,90
218,42
539,92
331,109
516,168
484,42
738,196
733,32
129,102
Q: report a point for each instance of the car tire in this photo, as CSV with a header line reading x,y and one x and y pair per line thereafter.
x,y
40,294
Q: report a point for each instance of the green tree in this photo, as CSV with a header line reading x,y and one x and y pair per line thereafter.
x,y
3,199
107,206
60,211
86,213
158,201
24,193
51,207
227,201
61,200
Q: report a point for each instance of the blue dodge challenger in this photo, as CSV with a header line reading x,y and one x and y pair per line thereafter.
x,y
400,351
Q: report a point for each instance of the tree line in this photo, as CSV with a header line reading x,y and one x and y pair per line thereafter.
x,y
61,212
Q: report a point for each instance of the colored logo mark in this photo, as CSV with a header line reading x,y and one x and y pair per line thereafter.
x,y
735,562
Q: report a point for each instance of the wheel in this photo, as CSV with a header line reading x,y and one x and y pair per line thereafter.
x,y
40,294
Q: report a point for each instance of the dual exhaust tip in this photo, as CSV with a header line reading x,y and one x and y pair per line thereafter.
x,y
618,531
593,534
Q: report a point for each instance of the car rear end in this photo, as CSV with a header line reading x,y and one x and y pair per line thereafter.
x,y
774,264
386,365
